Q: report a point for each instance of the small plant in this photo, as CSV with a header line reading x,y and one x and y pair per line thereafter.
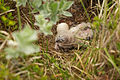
x,y
45,25
50,10
5,73
6,18
23,43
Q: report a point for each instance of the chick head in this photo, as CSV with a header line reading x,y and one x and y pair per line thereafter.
x,y
62,27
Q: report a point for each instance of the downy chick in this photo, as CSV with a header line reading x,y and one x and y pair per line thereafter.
x,y
82,31
63,37
68,38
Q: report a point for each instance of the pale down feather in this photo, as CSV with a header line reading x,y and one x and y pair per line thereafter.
x,y
68,38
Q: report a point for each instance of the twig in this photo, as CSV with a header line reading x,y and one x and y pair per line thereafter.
x,y
21,73
34,58
26,17
3,44
7,12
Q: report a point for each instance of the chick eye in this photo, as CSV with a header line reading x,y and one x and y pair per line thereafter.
x,y
88,38
87,28
60,39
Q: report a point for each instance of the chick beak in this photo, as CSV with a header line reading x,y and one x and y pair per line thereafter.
x,y
56,46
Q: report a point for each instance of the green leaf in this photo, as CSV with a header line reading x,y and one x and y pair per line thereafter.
x,y
97,19
36,3
46,7
40,19
4,19
9,15
11,23
44,25
67,5
3,8
11,53
118,46
21,2
66,13
8,7
54,7
54,18
23,44
62,2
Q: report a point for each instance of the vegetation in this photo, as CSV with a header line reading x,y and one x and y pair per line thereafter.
x,y
6,19
23,57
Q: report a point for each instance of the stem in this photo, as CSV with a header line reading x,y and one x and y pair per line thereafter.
x,y
31,17
19,19
109,58
85,11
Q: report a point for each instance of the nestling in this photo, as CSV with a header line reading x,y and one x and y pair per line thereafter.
x,y
68,38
